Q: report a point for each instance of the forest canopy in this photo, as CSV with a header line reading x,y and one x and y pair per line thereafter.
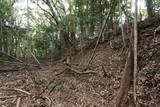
x,y
55,26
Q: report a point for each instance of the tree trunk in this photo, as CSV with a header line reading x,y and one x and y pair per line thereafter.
x,y
121,99
150,10
92,19
1,34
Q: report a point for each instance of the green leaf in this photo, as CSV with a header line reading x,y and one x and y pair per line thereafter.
x,y
58,85
52,85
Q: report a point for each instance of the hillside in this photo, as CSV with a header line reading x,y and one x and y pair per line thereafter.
x,y
97,87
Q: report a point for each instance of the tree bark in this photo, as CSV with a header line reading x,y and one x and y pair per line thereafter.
x,y
121,98
135,50
150,10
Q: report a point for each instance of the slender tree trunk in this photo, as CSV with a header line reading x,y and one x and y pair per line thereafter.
x,y
92,28
5,45
82,28
135,50
1,34
92,19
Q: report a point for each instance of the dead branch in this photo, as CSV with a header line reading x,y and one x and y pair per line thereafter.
x,y
6,97
22,91
72,70
35,58
18,102
16,89
12,57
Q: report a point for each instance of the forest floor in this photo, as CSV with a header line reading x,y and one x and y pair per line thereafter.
x,y
79,90
27,87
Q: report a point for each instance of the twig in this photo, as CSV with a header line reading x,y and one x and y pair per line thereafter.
x,y
18,102
22,91
49,101
35,58
14,100
6,97
75,71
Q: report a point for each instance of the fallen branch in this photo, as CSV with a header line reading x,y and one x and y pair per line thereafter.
x,y
12,57
16,89
18,102
35,58
22,91
12,62
6,97
72,70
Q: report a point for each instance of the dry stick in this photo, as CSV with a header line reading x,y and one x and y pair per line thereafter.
x,y
12,57
75,71
16,89
79,72
49,101
6,61
14,100
22,91
100,34
35,58
6,97
17,59
18,102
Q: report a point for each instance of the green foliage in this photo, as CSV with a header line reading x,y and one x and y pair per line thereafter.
x,y
81,18
58,85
